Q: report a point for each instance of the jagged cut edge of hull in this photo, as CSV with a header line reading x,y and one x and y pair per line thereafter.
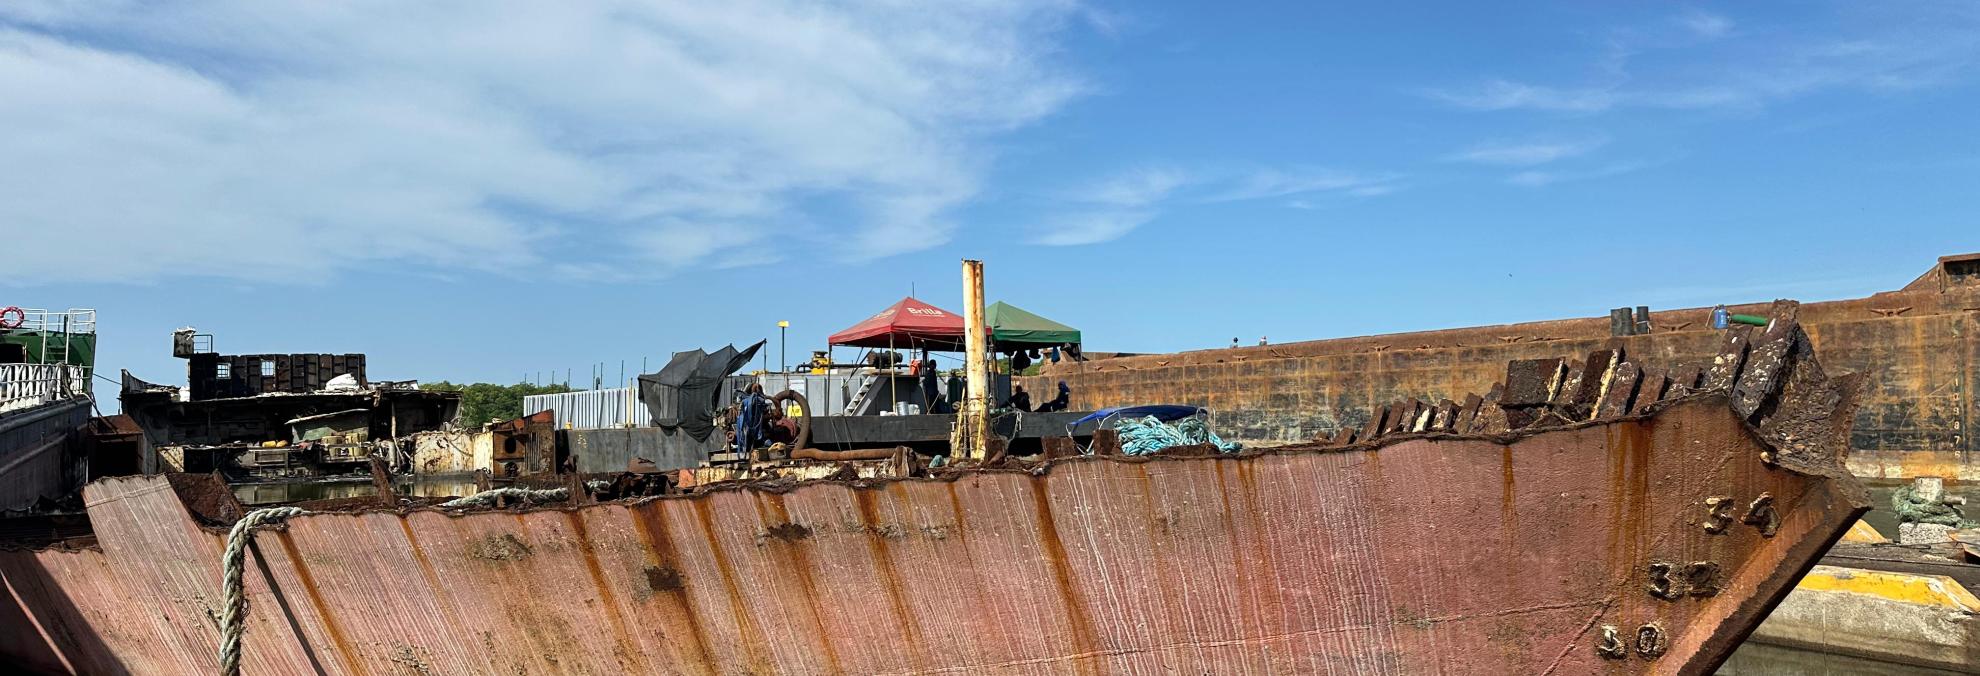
x,y
1442,544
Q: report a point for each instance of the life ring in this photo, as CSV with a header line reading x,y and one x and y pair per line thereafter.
x,y
17,318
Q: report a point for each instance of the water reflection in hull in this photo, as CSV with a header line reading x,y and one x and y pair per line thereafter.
x,y
278,492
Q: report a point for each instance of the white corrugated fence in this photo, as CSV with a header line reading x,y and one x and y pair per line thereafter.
x,y
591,409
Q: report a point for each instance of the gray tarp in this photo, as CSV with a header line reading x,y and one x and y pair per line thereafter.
x,y
686,392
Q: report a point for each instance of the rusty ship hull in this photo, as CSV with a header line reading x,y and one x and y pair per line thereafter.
x,y
1648,537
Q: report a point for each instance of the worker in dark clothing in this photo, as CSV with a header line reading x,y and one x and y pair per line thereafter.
x,y
1019,399
751,413
930,390
1057,403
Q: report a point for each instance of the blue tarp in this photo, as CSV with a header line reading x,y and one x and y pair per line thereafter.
x,y
1162,412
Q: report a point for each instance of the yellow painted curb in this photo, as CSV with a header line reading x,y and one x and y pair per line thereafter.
x,y
1864,533
1925,590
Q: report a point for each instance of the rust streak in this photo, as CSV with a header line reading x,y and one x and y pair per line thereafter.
x,y
419,556
755,646
337,638
1508,495
432,577
660,550
800,566
626,653
876,545
1230,527
1055,554
1636,447
955,503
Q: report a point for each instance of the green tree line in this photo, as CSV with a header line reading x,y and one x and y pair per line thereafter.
x,y
482,403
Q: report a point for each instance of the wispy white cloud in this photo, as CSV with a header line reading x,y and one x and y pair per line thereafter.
x,y
585,136
1527,153
1114,206
1091,227
1135,188
1702,60
1706,24
1539,178
1269,183
1374,190
1501,94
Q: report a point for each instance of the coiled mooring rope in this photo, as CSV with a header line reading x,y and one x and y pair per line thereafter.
x,y
1147,435
233,618
1911,508
487,497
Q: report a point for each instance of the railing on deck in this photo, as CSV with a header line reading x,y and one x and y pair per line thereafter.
x,y
25,386
73,320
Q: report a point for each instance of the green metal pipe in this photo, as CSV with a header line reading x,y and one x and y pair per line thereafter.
x,y
1755,320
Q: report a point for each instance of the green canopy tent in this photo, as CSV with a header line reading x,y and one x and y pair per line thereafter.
x,y
1011,328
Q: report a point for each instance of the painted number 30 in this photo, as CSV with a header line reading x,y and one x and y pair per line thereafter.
x,y
1650,642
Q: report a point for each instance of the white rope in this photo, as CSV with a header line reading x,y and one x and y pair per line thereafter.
x,y
487,497
233,618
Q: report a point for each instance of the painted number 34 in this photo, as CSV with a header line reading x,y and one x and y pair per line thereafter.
x,y
1760,514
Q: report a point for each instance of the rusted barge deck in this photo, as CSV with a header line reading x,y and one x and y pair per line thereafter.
x,y
1597,517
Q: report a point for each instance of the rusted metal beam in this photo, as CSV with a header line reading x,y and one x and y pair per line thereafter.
x,y
973,425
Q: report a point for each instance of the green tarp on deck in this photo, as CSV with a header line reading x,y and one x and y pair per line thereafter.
x,y
1012,326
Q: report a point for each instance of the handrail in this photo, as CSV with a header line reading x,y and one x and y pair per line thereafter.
x,y
73,320
25,386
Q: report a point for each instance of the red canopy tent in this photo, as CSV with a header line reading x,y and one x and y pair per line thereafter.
x,y
907,324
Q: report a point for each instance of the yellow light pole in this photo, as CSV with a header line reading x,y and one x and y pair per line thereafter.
x,y
783,355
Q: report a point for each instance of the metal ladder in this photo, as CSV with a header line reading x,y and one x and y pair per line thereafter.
x,y
56,353
67,323
859,399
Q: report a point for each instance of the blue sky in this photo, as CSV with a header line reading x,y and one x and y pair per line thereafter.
x,y
485,191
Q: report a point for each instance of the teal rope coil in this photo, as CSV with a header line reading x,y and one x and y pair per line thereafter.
x,y
1142,436
1911,508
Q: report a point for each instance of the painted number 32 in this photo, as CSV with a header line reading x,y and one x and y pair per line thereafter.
x,y
1669,581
